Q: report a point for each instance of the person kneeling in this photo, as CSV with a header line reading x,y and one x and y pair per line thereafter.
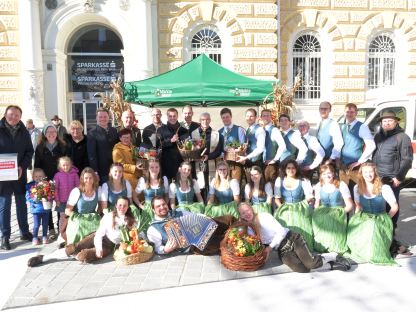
x,y
99,244
290,246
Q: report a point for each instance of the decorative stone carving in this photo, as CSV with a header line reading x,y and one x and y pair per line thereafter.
x,y
240,8
265,38
349,57
89,6
348,30
194,12
9,6
358,17
350,3
265,68
9,67
357,70
9,53
51,4
312,3
255,53
33,96
265,9
9,83
341,71
339,97
124,4
356,97
243,68
10,22
388,4
349,83
258,23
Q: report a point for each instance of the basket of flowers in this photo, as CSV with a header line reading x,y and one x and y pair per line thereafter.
x,y
242,250
43,191
142,155
133,249
234,149
191,149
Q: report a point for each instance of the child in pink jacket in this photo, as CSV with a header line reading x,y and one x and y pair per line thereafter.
x,y
65,180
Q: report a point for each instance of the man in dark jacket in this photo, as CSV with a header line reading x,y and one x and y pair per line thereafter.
x,y
128,120
393,156
100,143
170,134
14,138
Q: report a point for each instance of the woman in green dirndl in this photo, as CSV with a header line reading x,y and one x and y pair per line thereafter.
x,y
224,193
258,193
329,219
184,189
83,207
292,195
370,230
151,184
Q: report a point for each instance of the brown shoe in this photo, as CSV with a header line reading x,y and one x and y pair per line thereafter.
x,y
34,261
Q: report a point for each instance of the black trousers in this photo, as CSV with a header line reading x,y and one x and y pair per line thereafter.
x,y
294,252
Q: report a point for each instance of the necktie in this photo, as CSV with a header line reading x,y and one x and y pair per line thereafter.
x,y
349,127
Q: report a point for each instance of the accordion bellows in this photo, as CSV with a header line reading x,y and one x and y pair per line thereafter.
x,y
192,229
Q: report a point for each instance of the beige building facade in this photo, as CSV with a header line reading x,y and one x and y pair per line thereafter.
x,y
340,48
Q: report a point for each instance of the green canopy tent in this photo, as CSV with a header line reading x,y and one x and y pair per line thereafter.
x,y
198,82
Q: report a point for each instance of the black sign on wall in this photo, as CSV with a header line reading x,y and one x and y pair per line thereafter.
x,y
94,73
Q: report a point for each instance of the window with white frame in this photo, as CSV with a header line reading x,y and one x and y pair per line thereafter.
x,y
208,42
306,55
381,62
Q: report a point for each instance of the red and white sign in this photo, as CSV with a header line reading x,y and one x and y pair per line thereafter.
x,y
8,167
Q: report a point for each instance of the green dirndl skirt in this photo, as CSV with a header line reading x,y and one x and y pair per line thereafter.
x,y
214,211
369,237
297,217
81,225
330,229
193,207
262,207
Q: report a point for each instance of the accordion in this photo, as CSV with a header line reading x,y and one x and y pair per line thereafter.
x,y
192,229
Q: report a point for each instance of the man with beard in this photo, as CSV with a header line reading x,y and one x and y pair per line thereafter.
x,y
169,135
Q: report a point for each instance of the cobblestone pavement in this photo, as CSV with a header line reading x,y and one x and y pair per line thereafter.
x,y
70,280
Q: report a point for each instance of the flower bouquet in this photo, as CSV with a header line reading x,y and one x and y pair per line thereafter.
x,y
234,149
133,249
241,251
191,149
43,191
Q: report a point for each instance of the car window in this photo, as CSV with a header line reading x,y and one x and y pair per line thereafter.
x,y
400,113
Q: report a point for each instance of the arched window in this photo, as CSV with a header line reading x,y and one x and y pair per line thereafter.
x,y
381,62
206,41
307,64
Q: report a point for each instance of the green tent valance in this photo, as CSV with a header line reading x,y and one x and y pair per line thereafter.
x,y
198,82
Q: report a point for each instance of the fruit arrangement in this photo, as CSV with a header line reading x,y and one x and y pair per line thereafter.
x,y
242,244
192,144
236,145
145,153
131,243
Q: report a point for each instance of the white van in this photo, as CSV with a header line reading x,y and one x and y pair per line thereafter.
x,y
405,109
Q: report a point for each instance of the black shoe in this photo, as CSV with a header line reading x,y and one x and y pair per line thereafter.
x,y
5,244
340,263
34,261
26,237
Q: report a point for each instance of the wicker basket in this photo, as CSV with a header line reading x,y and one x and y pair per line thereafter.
x,y
236,263
191,155
232,154
138,257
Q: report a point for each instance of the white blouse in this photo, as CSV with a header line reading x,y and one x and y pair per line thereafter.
x,y
141,185
234,185
306,185
104,191
268,189
173,188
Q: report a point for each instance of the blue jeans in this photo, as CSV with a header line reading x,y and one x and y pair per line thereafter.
x,y
39,218
5,214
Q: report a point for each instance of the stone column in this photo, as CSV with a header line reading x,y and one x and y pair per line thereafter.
x,y
138,50
31,62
